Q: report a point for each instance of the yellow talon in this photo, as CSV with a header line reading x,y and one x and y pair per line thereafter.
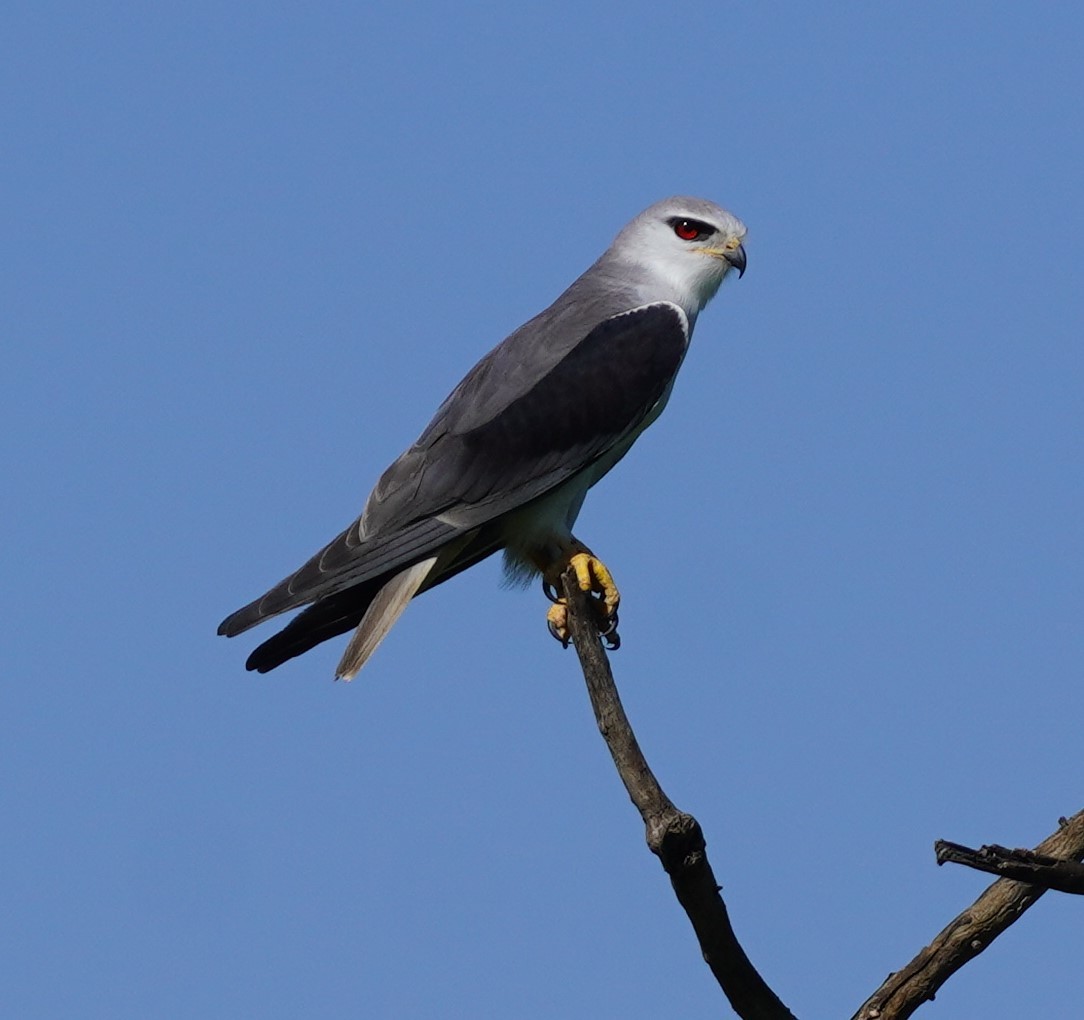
x,y
592,575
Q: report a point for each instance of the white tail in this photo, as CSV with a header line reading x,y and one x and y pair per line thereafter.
x,y
380,617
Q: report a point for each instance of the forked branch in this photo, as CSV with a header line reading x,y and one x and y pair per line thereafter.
x,y
968,934
676,838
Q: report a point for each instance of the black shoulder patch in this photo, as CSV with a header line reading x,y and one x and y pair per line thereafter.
x,y
604,387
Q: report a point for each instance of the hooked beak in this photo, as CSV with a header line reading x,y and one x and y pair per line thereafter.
x,y
737,259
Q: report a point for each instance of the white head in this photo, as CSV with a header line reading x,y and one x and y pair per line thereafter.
x,y
687,245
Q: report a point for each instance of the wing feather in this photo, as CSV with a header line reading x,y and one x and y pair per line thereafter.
x,y
467,469
602,390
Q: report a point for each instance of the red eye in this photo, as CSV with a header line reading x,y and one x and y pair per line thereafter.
x,y
686,231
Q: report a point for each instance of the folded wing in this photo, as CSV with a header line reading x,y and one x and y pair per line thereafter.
x,y
464,474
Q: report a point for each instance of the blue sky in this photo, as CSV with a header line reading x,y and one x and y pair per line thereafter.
x,y
249,248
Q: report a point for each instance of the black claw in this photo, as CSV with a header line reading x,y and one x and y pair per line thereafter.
x,y
554,633
608,630
550,592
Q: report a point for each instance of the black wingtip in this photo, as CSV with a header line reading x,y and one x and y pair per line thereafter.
x,y
333,615
278,649
254,664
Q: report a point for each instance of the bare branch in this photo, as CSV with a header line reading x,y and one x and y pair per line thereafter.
x,y
1021,865
674,836
969,934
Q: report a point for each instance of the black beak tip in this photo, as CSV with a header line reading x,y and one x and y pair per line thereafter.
x,y
737,259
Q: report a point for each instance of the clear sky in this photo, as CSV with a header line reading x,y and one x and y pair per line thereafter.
x,y
249,248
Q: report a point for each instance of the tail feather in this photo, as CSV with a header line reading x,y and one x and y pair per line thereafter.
x,y
342,611
380,617
331,616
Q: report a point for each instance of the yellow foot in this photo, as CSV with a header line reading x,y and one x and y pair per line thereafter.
x,y
592,576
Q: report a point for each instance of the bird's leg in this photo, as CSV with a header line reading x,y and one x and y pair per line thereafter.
x,y
593,576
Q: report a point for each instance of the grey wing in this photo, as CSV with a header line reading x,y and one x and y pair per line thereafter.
x,y
454,480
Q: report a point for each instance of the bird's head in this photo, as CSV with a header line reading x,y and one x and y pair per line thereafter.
x,y
687,244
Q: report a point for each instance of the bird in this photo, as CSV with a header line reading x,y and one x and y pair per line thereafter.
x,y
508,458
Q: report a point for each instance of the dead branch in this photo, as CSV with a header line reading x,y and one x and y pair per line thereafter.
x,y
675,837
969,934
672,835
1021,865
